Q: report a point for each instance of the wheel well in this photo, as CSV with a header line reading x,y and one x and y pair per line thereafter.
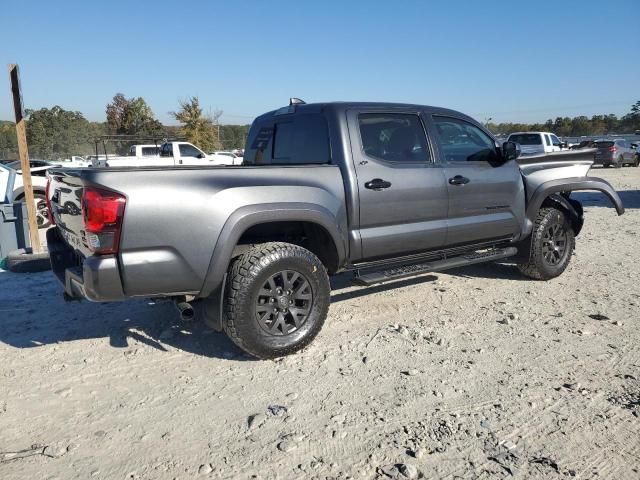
x,y
570,207
20,196
309,235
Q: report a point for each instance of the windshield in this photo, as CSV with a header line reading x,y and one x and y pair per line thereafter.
x,y
526,139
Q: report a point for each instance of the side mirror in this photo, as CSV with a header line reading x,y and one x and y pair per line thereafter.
x,y
510,151
563,145
201,155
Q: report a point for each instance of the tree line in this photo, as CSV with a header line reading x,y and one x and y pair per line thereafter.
x,y
55,133
578,126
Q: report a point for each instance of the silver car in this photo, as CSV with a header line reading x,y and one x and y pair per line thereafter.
x,y
616,152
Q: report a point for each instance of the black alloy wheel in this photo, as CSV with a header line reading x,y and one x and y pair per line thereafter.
x,y
283,304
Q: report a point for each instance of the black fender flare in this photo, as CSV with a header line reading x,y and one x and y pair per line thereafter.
x,y
245,217
548,189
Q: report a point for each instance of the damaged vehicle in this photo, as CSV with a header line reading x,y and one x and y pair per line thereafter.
x,y
383,190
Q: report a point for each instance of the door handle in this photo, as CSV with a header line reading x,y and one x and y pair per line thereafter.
x,y
377,184
459,180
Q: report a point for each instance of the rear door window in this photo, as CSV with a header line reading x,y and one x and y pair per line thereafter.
x,y
166,150
393,137
547,140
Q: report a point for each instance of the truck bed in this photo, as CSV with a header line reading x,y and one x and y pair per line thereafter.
x,y
173,217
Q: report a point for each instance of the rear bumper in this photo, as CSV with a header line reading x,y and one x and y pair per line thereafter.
x,y
92,278
603,160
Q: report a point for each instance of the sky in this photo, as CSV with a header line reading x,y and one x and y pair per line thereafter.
x,y
490,59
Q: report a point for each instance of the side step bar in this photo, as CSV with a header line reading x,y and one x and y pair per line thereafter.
x,y
396,273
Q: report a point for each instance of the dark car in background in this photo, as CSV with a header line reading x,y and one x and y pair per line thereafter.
x,y
615,152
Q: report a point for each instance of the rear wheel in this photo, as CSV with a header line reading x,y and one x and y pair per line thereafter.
x,y
552,244
636,161
277,299
619,162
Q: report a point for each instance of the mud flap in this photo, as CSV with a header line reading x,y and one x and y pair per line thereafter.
x,y
210,309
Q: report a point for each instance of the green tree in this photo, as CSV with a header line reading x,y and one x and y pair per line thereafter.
x,y
57,133
131,116
8,141
233,136
197,128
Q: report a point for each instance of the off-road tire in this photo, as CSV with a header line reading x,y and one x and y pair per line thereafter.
x,y
248,274
537,267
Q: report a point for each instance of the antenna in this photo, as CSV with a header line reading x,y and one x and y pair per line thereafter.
x,y
296,101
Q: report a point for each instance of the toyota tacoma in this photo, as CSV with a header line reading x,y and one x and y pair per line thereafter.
x,y
382,190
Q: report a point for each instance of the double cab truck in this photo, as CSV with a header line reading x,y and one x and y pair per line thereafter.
x,y
382,190
537,142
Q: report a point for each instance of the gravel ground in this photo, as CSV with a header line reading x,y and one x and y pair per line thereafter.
x,y
476,373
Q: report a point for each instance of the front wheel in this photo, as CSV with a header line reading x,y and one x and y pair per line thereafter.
x,y
276,300
552,244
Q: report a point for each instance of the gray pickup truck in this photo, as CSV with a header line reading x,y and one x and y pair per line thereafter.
x,y
383,190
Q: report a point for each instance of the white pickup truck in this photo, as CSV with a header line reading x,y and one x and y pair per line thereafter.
x,y
537,142
168,154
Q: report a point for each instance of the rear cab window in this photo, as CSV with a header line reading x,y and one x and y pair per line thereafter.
x,y
526,138
290,139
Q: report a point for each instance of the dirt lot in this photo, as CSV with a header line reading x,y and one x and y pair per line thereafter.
x,y
477,373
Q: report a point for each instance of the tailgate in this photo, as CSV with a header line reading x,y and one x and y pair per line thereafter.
x,y
65,194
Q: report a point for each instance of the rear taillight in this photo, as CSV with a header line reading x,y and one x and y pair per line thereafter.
x,y
613,149
47,199
102,212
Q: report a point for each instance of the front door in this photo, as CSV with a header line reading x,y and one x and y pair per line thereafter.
x,y
402,191
486,196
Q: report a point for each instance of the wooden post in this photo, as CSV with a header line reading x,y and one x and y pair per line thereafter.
x,y
23,151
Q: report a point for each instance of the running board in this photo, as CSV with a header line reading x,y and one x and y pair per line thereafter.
x,y
396,273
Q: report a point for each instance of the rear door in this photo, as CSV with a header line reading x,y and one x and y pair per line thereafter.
x,y
486,198
166,154
402,193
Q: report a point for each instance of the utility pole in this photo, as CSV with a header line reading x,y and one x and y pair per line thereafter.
x,y
23,151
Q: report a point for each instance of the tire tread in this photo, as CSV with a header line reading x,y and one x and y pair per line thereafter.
x,y
533,268
242,273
